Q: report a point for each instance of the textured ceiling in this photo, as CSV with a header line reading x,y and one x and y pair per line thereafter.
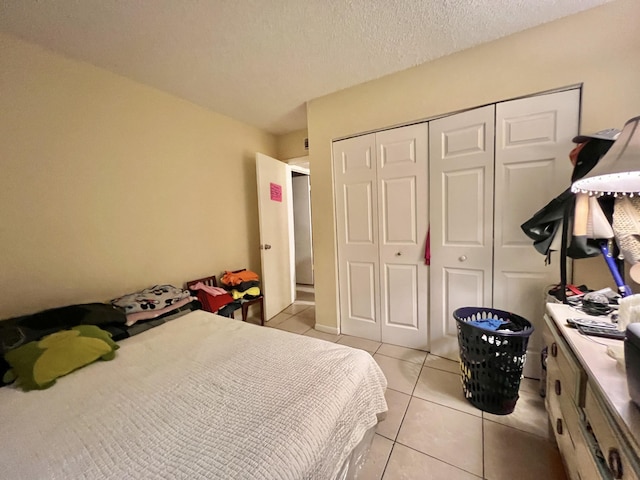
x,y
259,61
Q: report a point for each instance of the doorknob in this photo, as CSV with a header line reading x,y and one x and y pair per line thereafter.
x,y
462,258
267,246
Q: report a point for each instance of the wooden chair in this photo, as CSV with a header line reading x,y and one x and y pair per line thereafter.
x,y
244,304
208,281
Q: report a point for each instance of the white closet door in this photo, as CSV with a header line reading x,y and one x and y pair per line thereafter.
x,y
461,156
533,141
403,208
354,166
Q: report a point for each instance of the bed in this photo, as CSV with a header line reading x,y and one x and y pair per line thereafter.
x,y
200,397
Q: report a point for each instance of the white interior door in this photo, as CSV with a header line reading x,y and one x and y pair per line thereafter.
x,y
354,166
402,155
275,207
461,156
533,141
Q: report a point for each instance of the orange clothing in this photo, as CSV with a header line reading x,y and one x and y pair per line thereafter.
x,y
236,278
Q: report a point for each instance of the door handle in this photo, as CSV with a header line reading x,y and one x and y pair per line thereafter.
x,y
462,258
398,254
267,246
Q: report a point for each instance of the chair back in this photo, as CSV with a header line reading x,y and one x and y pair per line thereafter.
x,y
208,281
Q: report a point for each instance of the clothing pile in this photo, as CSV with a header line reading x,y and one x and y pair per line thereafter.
x,y
214,299
237,287
241,284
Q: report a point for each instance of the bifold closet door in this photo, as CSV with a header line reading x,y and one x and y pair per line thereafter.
x,y
403,211
482,189
381,213
461,161
533,141
354,165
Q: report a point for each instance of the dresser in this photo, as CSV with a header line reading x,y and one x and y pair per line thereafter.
x,y
595,424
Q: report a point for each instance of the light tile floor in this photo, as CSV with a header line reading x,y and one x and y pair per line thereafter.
x,y
431,431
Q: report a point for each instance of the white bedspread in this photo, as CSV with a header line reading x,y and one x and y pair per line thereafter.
x,y
200,397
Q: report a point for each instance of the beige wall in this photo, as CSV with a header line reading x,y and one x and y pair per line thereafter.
x,y
109,186
600,48
291,145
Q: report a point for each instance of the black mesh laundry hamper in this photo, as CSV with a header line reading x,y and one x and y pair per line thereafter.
x,y
491,361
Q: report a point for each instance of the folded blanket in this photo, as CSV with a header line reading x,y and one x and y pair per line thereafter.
x,y
149,314
153,298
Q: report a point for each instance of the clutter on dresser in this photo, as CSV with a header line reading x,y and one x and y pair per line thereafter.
x,y
629,311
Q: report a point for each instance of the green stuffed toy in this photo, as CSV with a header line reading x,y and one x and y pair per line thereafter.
x,y
36,365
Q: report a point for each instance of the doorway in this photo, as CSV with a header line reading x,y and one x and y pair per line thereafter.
x,y
277,238
303,254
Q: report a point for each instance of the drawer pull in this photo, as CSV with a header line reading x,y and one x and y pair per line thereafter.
x,y
554,349
559,426
558,387
615,463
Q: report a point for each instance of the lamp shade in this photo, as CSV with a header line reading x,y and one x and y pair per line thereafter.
x,y
618,172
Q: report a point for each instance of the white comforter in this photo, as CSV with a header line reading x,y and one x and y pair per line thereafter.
x,y
199,397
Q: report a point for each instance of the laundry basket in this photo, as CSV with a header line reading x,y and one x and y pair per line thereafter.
x,y
492,360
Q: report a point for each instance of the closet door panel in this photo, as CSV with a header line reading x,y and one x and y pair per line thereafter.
x,y
521,182
461,285
358,213
401,291
533,141
464,219
361,291
399,211
357,231
403,207
518,292
461,159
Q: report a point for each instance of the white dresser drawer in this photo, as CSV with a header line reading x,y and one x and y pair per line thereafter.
x,y
574,378
621,462
563,419
588,393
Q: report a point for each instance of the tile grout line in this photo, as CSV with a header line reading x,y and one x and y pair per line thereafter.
x,y
422,365
386,464
412,396
516,429
439,460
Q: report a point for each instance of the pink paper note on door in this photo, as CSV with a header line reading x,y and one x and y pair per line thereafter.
x,y
276,192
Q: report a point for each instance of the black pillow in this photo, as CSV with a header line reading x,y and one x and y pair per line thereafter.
x,y
20,330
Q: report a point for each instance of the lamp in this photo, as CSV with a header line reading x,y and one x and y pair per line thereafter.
x,y
618,172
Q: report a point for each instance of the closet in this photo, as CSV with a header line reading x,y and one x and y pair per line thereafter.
x,y
381,211
474,177
491,169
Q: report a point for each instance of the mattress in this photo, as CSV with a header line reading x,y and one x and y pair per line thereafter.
x,y
200,397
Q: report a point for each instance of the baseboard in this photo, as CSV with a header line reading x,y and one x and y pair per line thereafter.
x,y
325,329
